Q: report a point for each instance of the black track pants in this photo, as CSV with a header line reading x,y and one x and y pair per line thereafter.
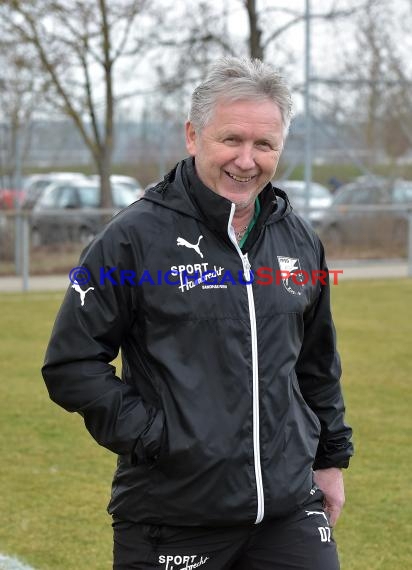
x,y
302,541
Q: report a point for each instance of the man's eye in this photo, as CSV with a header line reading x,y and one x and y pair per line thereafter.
x,y
264,145
230,140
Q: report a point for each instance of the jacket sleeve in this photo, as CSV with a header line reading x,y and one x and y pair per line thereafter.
x,y
318,371
85,339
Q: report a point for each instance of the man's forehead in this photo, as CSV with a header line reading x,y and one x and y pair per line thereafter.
x,y
264,111
267,130
242,118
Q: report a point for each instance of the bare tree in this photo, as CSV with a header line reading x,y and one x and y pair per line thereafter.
x,y
382,88
20,95
397,123
255,37
78,46
200,32
266,24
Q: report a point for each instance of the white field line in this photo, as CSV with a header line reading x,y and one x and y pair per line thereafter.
x,y
8,563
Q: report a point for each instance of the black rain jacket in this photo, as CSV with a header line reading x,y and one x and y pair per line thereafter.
x,y
230,392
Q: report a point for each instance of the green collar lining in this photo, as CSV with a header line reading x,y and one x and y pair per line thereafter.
x,y
252,222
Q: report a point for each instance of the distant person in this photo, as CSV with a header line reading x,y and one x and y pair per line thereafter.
x,y
228,421
334,183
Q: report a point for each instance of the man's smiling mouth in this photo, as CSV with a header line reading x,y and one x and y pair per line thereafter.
x,y
239,178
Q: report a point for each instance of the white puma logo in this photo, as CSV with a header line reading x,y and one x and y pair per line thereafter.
x,y
317,513
82,293
181,241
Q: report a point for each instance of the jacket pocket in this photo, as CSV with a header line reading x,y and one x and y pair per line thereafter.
x,y
307,411
302,429
151,445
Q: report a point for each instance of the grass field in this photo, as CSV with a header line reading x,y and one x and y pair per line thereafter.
x,y
55,481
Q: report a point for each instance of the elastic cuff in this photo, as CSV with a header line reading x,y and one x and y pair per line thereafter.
x,y
327,463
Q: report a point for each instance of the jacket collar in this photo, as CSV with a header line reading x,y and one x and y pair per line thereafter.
x,y
216,209
183,191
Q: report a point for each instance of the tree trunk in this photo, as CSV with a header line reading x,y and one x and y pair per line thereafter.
x,y
255,37
104,168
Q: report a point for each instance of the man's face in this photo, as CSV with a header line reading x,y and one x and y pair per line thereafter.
x,y
237,152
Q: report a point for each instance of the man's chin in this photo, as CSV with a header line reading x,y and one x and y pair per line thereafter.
x,y
243,201
243,205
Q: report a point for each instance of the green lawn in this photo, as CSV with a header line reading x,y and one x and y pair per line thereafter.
x,y
55,481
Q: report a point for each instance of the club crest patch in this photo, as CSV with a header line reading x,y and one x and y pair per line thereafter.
x,y
293,276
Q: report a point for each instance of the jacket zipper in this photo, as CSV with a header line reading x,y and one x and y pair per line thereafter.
x,y
255,375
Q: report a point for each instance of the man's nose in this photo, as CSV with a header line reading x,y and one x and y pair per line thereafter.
x,y
245,159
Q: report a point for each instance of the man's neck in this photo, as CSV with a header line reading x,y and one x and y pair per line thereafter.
x,y
242,218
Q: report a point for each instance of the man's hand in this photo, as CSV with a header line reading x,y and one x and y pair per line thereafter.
x,y
330,481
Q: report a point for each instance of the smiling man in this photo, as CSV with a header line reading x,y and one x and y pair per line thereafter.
x,y
237,152
228,420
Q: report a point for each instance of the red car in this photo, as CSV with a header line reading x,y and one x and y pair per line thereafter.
x,y
10,198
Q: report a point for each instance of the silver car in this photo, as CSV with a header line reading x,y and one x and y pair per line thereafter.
x,y
35,185
369,213
69,211
126,181
319,199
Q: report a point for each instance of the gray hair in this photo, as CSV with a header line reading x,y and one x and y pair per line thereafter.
x,y
235,78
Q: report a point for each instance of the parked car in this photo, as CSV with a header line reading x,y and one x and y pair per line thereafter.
x,y
371,212
126,181
69,211
35,185
319,198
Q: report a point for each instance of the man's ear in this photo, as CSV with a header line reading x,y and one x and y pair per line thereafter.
x,y
190,138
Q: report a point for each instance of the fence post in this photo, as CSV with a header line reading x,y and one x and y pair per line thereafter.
x,y
25,252
17,241
410,244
